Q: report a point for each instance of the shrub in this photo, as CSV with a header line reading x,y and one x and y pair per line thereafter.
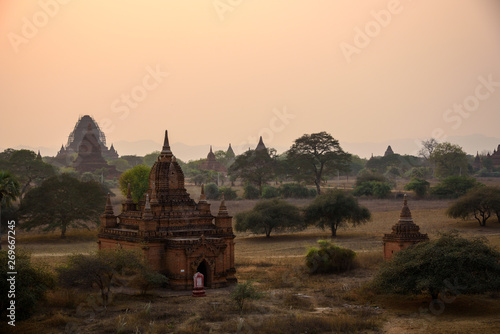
x,y
229,193
250,192
366,176
147,278
294,190
454,186
270,192
244,292
419,186
373,188
212,191
329,258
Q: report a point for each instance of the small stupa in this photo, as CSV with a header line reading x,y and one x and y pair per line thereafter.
x,y
404,233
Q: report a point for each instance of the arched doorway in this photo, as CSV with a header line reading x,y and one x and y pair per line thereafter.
x,y
204,269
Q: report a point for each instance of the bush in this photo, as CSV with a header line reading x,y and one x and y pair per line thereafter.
x,y
270,192
373,188
419,186
212,191
31,284
449,265
454,186
147,278
250,192
329,258
294,190
229,193
366,176
243,292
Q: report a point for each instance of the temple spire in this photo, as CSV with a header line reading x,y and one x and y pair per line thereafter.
x,y
129,194
147,215
203,198
166,152
222,207
109,208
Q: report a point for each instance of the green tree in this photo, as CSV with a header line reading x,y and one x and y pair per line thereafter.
x,y
138,178
212,191
99,269
480,203
335,209
419,186
28,170
254,166
317,154
61,202
244,292
449,160
269,215
250,192
9,191
229,193
373,188
147,278
454,186
151,158
120,164
329,258
448,265
31,284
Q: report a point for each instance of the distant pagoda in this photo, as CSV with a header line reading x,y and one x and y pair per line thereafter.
x,y
404,233
212,164
388,151
260,145
89,157
76,136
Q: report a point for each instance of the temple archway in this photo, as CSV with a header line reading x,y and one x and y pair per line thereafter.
x,y
204,269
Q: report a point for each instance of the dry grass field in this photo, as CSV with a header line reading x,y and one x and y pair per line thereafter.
x,y
292,300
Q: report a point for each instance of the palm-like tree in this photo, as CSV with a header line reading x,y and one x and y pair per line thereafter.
x,y
9,191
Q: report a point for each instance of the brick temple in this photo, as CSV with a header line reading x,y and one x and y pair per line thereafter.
x,y
76,136
177,236
90,157
212,164
404,233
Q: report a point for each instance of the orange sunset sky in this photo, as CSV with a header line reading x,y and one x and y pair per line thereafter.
x,y
220,71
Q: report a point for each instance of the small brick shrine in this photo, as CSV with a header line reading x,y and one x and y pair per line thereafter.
x,y
404,233
178,236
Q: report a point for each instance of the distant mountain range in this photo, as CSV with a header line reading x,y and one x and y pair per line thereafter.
x,y
470,143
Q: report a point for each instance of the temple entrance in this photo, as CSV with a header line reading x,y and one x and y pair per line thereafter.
x,y
204,269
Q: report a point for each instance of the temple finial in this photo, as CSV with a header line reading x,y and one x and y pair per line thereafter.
x,y
222,207
129,193
211,149
109,207
166,146
202,195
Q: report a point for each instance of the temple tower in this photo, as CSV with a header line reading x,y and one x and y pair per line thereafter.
x,y
404,233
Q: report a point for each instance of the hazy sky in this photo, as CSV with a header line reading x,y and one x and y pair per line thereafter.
x,y
220,71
